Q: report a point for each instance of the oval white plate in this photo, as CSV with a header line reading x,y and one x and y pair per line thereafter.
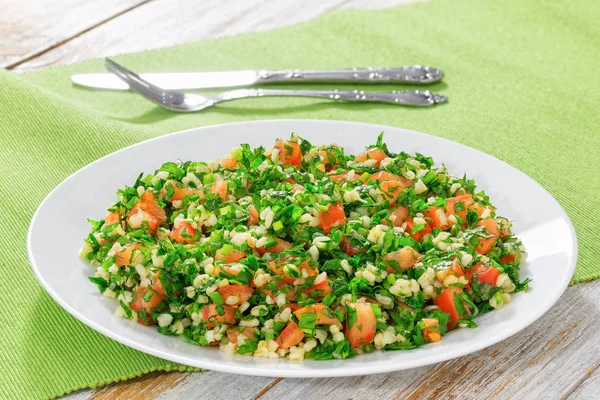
x,y
59,226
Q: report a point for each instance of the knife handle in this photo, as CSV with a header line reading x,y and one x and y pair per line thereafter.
x,y
414,74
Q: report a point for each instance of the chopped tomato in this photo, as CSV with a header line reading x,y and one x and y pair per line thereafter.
x,y
390,190
184,233
157,284
226,269
332,217
324,314
253,218
278,265
382,176
228,162
372,154
323,289
220,188
149,210
241,292
112,218
233,334
362,331
485,245
289,153
428,334
455,270
337,178
290,336
146,300
466,200
281,245
350,249
438,218
484,274
508,259
410,224
232,256
179,193
445,301
210,315
399,215
406,257
123,257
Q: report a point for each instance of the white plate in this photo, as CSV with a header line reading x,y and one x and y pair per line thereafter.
x,y
59,226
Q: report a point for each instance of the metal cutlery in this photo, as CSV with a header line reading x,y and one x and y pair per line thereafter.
x,y
185,102
413,75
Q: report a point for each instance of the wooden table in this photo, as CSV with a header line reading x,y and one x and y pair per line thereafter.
x,y
557,357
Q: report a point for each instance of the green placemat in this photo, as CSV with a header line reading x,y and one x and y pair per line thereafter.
x,y
522,85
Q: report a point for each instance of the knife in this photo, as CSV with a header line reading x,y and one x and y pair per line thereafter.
x,y
415,74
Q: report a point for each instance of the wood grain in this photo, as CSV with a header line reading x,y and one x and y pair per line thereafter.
x,y
30,27
169,22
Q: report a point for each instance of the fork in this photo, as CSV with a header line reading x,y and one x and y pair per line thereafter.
x,y
185,102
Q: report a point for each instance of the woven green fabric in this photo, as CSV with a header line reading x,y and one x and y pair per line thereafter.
x,y
522,85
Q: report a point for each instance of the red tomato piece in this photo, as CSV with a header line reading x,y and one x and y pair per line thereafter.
x,y
149,305
241,292
323,288
406,257
211,315
281,245
278,265
337,178
363,330
438,217
485,245
399,215
220,188
123,258
290,336
289,153
324,314
372,154
428,334
233,334
112,218
184,233
228,162
410,224
157,284
445,301
467,201
150,210
349,249
253,218
179,193
332,217
231,257
483,273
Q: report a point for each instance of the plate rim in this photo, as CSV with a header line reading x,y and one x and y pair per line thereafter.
x,y
257,370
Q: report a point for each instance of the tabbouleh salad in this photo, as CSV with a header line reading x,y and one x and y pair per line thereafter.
x,y
305,252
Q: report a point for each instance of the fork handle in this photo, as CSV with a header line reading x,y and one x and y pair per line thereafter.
x,y
415,98
413,74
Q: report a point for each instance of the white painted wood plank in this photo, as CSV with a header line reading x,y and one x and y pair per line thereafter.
x,y
30,26
162,23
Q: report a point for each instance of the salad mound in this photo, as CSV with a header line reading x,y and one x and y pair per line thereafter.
x,y
303,251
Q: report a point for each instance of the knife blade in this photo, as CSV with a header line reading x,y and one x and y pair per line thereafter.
x,y
415,74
